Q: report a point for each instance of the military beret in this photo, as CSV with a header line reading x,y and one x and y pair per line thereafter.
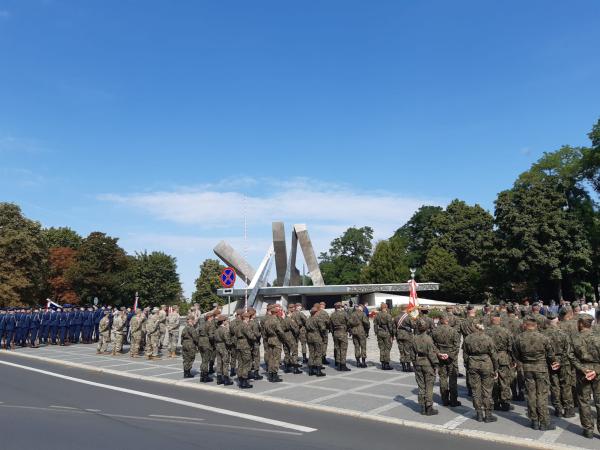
x,y
585,319
550,315
443,316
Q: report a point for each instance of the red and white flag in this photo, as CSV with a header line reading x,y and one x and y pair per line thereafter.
x,y
413,301
135,304
50,302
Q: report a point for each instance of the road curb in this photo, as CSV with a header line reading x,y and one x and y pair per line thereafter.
x,y
474,434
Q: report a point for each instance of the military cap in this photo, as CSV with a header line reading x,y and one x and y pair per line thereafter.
x,y
550,315
209,314
337,305
575,304
443,316
530,319
246,315
221,318
586,319
422,325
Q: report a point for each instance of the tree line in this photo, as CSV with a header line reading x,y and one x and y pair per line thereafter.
x,y
542,240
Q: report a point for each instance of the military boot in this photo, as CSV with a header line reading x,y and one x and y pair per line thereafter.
x,y
403,367
311,371
409,367
388,367
445,400
232,372
569,412
304,358
297,370
275,378
287,368
205,377
489,417
323,360
423,410
187,374
257,376
479,417
344,368
588,433
454,403
227,381
548,426
364,363
250,375
358,364
211,367
558,412
320,373
431,411
535,424
219,379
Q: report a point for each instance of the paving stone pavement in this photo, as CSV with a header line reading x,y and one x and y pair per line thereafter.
x,y
370,391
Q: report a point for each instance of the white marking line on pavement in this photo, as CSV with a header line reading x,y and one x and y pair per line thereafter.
x,y
160,416
456,422
225,412
355,390
551,436
383,408
167,373
94,410
61,407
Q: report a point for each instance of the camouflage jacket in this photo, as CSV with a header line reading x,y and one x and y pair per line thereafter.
x,y
503,341
534,350
383,325
339,323
447,340
359,323
189,338
423,351
584,352
560,343
480,352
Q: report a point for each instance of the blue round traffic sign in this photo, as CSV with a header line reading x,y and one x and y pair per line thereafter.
x,y
228,277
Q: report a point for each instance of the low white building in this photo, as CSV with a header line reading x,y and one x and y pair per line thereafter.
x,y
377,298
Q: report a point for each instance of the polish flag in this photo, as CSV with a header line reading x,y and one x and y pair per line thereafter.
x,y
413,301
135,304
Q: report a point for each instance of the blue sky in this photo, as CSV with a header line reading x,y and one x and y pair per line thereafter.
x,y
154,120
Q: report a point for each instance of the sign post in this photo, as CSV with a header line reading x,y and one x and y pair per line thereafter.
x,y
227,280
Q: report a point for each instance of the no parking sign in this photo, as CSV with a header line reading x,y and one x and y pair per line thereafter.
x,y
227,277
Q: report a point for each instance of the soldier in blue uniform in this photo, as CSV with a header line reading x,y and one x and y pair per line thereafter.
x,y
63,324
87,325
2,317
23,327
34,326
45,326
10,326
98,314
76,324
54,319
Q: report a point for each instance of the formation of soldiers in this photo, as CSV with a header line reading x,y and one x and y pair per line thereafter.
x,y
510,353
109,327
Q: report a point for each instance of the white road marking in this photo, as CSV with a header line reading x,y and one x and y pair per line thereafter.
x,y
61,407
160,416
94,410
551,436
383,408
226,412
456,422
355,390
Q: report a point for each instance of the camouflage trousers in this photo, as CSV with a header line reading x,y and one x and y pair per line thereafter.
x,y
502,391
273,357
404,349
360,346
303,343
244,362
152,344
482,384
136,340
448,373
425,377
315,353
117,338
223,360
173,339
188,353
290,349
536,390
561,387
588,393
256,356
103,341
208,355
340,347
385,346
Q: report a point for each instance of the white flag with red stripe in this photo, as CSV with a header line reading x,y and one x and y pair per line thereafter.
x,y
413,301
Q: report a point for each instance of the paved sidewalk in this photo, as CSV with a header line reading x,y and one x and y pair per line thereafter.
x,y
370,392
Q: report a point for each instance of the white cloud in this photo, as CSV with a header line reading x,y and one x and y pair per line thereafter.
x,y
323,206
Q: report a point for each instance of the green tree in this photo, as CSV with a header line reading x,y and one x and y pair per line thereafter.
x,y
347,257
23,258
419,232
389,263
541,242
154,277
207,284
62,237
100,270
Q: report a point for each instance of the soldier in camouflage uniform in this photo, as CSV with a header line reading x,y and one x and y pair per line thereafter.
x,y
257,330
466,328
560,380
315,342
135,328
514,326
172,325
447,341
104,330
383,325
404,336
535,352
424,356
301,320
162,325
206,333
568,324
339,329
245,341
274,335
503,342
212,328
152,335
233,327
359,328
324,316
585,357
290,344
189,345
481,361
117,332
223,346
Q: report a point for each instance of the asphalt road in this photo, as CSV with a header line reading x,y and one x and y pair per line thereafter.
x,y
38,410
